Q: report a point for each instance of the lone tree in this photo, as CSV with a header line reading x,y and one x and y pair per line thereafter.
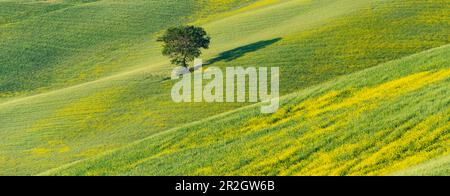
x,y
182,44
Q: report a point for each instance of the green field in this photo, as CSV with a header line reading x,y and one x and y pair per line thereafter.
x,y
437,167
83,88
373,122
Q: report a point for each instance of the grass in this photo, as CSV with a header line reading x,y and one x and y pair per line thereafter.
x,y
62,43
80,121
344,44
91,78
435,167
373,122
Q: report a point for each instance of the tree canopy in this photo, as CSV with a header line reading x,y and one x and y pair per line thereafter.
x,y
183,44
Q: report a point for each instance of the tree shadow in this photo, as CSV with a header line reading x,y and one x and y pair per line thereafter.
x,y
241,51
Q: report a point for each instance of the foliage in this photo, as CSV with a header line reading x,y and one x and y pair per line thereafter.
x,y
183,44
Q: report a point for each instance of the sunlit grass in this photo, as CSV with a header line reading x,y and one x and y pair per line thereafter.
x,y
362,133
111,44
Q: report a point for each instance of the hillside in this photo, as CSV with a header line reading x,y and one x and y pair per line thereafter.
x,y
46,45
435,167
373,122
82,78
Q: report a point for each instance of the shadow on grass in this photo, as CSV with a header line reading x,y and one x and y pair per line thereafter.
x,y
241,51
233,54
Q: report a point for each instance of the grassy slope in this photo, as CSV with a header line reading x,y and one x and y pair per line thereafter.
x,y
47,45
373,122
77,122
58,127
435,167
326,39
62,47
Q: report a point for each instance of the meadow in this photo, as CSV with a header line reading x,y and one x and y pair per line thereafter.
x,y
82,83
435,167
374,122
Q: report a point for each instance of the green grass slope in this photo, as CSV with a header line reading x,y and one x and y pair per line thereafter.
x,y
75,43
46,45
326,39
373,122
127,98
437,167
45,130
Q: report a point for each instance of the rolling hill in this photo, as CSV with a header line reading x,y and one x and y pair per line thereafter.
x,y
373,122
79,79
435,167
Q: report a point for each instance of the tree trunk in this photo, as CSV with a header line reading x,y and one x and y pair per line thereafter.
x,y
185,64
